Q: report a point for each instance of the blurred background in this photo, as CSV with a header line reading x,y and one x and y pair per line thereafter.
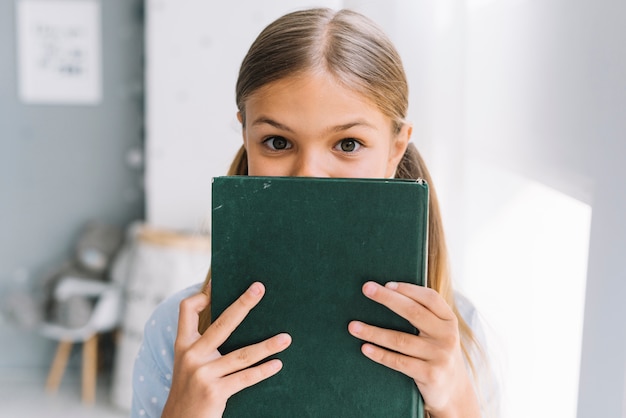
x,y
116,114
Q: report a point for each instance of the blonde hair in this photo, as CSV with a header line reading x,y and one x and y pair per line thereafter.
x,y
359,55
344,44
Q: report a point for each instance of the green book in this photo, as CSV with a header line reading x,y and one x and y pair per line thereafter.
x,y
313,243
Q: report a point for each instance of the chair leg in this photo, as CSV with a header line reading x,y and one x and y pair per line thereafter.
x,y
58,366
90,365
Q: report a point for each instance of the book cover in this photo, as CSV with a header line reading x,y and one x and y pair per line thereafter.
x,y
313,243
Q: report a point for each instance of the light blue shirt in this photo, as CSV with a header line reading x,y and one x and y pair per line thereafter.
x,y
152,373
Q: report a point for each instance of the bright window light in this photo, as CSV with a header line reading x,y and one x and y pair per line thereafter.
x,y
525,269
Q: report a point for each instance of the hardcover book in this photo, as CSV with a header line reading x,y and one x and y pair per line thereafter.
x,y
313,243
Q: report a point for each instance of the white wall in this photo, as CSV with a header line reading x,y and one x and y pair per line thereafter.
x,y
546,98
194,49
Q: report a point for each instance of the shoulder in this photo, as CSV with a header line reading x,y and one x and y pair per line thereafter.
x,y
160,329
467,310
486,378
166,312
471,316
152,372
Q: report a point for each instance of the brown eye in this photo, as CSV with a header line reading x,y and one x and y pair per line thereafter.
x,y
348,145
277,143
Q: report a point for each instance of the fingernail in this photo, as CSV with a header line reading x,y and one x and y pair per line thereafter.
x,y
356,327
367,349
255,289
275,364
391,285
369,289
283,339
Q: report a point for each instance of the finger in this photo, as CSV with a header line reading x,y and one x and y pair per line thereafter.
x,y
413,311
252,354
425,296
236,382
221,328
188,318
402,363
402,342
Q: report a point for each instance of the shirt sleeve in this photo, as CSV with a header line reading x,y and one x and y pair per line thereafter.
x,y
152,371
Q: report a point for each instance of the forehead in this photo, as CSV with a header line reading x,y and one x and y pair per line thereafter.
x,y
317,96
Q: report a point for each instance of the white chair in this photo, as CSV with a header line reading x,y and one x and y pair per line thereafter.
x,y
105,316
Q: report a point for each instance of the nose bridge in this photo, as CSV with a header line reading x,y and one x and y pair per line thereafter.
x,y
309,164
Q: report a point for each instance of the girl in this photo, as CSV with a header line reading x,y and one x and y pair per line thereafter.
x,y
320,94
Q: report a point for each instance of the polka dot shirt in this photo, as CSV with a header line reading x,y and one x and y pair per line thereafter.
x,y
152,373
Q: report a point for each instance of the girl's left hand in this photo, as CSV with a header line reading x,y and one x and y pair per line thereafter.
x,y
433,359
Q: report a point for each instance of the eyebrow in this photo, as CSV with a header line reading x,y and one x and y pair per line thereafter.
x,y
265,120
333,129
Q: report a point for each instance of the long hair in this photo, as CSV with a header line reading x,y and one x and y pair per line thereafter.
x,y
361,57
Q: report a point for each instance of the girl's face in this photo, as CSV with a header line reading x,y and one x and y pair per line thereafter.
x,y
312,126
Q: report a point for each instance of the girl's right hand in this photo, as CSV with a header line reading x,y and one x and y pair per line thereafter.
x,y
203,379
